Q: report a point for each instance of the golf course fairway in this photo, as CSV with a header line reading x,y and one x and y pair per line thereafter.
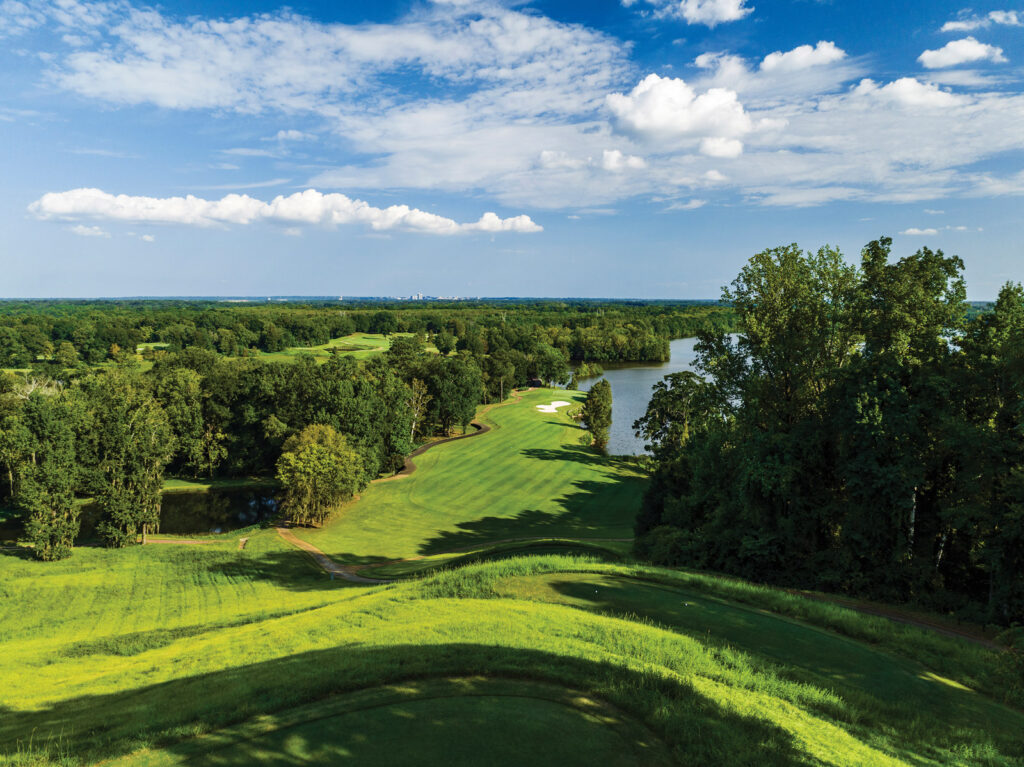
x,y
519,632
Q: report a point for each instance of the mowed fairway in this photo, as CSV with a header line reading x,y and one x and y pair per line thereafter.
x,y
218,655
359,346
529,477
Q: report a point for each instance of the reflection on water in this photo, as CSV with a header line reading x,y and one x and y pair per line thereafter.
x,y
631,391
216,511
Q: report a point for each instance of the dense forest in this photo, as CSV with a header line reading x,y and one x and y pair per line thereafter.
x,y
863,434
67,333
90,417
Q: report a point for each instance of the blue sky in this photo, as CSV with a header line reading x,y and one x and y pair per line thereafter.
x,y
641,148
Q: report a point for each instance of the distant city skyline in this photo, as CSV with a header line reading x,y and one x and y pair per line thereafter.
x,y
614,148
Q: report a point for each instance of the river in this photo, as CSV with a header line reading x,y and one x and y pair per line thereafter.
x,y
631,391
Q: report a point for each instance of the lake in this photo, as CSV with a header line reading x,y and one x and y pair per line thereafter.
x,y
631,392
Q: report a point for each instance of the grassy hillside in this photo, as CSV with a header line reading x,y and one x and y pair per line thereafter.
x,y
215,654
265,659
529,477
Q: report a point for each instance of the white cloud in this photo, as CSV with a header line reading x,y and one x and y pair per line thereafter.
x,y
518,108
614,160
933,212
968,23
803,57
718,146
909,92
308,207
667,109
915,232
88,231
962,51
708,12
293,135
689,205
148,238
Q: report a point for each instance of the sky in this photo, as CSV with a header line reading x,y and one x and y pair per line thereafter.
x,y
606,148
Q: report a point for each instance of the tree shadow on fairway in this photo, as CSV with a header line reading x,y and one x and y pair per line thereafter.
x,y
292,570
586,455
596,510
675,717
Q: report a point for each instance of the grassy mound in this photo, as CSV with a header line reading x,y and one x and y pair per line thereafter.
x,y
211,639
434,721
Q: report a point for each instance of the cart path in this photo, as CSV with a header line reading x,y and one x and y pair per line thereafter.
x,y
327,564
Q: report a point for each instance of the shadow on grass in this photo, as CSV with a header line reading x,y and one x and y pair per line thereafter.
x,y
583,454
15,550
896,691
291,570
595,510
696,728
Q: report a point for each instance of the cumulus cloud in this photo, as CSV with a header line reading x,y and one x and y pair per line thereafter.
x,y
667,109
909,92
88,231
803,57
708,12
915,232
614,160
968,22
962,51
519,107
308,207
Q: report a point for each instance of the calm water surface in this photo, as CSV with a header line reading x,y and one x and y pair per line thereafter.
x,y
631,391
215,511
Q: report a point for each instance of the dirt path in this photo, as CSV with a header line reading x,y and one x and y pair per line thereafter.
x,y
326,563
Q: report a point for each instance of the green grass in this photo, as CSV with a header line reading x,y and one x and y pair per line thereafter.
x,y
358,345
518,652
251,649
529,477
451,718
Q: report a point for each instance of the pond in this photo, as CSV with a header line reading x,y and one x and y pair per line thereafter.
x,y
215,511
631,392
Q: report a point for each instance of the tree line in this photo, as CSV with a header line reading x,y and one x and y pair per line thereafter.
x,y
60,335
864,434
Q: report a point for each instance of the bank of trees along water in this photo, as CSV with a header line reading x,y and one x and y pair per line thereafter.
x,y
861,435
69,430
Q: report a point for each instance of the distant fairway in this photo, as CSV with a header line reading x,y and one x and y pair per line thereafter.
x,y
528,477
359,346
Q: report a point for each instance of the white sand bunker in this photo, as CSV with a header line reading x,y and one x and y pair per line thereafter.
x,y
553,407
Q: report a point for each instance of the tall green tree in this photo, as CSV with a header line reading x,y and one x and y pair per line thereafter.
x,y
317,470
597,413
133,444
46,486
